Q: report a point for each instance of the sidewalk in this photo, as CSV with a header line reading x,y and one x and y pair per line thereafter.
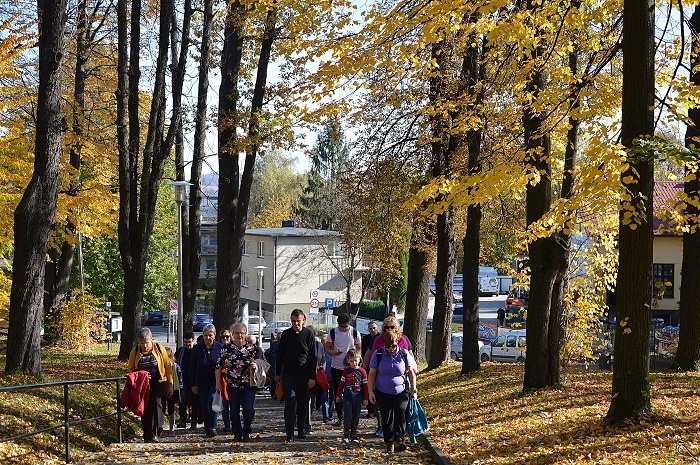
x,y
323,446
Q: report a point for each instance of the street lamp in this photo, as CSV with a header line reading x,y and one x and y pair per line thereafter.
x,y
180,188
261,270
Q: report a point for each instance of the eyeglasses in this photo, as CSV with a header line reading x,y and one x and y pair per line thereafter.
x,y
390,346
239,332
226,336
390,327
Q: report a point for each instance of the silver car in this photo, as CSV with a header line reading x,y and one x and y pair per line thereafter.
x,y
275,327
456,346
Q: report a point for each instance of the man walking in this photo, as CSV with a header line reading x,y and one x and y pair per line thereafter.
x,y
187,397
341,339
367,342
296,370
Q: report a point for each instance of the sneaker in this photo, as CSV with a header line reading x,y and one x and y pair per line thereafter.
x,y
238,438
390,448
193,426
171,434
346,440
354,438
400,447
226,429
182,425
338,422
246,438
289,439
379,433
159,431
301,436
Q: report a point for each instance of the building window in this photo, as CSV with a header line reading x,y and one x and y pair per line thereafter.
x,y
210,265
261,282
245,247
663,272
334,249
245,279
261,249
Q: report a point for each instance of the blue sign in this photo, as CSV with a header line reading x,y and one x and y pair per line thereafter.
x,y
329,302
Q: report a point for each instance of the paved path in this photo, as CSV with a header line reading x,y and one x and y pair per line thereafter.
x,y
267,445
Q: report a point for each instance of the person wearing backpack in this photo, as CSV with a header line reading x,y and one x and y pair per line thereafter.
x,y
391,382
341,339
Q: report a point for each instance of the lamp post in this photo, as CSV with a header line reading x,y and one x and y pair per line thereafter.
x,y
180,188
261,270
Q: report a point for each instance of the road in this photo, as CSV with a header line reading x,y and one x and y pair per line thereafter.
x,y
488,307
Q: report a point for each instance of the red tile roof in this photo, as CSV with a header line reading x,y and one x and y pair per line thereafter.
x,y
666,197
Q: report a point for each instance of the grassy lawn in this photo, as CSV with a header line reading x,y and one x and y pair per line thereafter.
x,y
484,419
30,410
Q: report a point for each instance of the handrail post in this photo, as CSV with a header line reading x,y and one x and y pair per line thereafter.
x,y
66,420
119,415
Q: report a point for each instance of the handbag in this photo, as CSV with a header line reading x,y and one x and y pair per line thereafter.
x,y
279,392
322,380
217,404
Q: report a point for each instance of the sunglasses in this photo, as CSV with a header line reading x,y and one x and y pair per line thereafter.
x,y
391,346
390,327
226,336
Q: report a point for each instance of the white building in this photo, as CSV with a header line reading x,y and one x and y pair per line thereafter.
x,y
299,268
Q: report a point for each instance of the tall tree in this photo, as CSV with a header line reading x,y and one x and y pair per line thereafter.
x,y
35,213
193,232
329,164
138,190
473,74
688,352
630,389
234,185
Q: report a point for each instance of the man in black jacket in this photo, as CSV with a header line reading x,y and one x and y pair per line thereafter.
x,y
182,356
296,370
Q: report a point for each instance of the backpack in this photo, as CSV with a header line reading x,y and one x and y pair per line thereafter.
x,y
355,333
404,355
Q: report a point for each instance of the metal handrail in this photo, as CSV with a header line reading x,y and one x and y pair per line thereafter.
x,y
66,420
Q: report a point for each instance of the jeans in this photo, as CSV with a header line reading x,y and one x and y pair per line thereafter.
x,y
241,398
392,409
351,412
322,403
296,402
211,418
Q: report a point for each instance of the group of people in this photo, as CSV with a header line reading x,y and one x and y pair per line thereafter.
x,y
377,371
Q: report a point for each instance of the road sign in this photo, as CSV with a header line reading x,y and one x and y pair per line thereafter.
x,y
314,303
329,302
173,305
314,293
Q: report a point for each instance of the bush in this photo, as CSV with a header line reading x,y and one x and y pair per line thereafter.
x,y
372,309
82,324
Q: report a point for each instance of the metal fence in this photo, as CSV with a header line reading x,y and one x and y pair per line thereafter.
x,y
67,422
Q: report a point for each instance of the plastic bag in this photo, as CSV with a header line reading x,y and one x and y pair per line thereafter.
x,y
217,404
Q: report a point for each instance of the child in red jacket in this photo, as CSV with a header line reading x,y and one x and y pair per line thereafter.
x,y
352,392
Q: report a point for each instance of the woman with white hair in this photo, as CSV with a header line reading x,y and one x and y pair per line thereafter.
x,y
202,362
150,357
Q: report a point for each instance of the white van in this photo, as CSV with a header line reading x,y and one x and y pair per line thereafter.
x,y
507,347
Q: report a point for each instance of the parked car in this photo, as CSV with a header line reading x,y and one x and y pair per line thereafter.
x,y
253,324
508,347
274,327
456,346
458,314
153,318
200,320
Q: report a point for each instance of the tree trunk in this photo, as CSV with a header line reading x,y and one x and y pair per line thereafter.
x,y
630,389
194,235
688,353
541,250
227,282
36,210
473,73
138,192
417,290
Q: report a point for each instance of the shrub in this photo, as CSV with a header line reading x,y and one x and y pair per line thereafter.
x,y
82,323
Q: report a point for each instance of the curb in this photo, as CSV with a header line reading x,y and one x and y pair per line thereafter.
x,y
437,456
